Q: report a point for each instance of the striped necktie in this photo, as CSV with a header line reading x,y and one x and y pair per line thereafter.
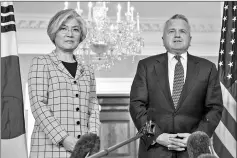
x,y
178,81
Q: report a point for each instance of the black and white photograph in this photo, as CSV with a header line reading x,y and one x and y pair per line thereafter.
x,y
118,79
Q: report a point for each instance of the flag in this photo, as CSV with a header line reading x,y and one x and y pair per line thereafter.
x,y
13,135
224,138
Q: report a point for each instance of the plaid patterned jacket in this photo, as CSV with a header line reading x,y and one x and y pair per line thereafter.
x,y
61,105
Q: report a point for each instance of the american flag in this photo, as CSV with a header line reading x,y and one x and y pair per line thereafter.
x,y
13,138
225,136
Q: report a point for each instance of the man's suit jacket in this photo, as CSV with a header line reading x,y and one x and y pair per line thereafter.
x,y
199,108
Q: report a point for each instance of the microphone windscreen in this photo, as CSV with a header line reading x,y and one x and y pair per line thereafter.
x,y
96,148
87,143
207,156
198,143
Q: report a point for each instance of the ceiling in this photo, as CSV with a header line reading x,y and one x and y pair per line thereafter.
x,y
150,9
205,19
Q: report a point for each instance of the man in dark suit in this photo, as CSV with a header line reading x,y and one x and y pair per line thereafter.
x,y
183,90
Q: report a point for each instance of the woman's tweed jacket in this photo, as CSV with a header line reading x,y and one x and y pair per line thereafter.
x,y
61,105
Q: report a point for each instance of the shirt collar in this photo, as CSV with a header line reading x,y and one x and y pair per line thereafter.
x,y
56,60
171,56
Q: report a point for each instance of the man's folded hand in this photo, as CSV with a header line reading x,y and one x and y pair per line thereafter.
x,y
169,140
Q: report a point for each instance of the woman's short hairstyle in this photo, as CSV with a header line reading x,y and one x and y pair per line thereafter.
x,y
61,17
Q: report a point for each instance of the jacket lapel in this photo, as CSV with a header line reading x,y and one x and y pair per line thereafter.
x,y
80,68
59,64
191,77
161,69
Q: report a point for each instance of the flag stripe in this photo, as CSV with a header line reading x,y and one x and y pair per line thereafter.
x,y
220,150
14,148
233,89
229,123
229,102
6,9
7,28
6,14
8,44
8,23
8,18
227,139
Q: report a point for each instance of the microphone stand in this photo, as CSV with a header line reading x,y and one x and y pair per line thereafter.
x,y
148,130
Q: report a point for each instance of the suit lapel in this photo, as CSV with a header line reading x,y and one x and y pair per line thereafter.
x,y
80,68
191,77
59,64
161,69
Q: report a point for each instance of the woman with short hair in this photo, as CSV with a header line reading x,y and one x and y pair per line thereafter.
x,y
62,91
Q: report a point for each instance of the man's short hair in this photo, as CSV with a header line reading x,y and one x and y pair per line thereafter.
x,y
177,16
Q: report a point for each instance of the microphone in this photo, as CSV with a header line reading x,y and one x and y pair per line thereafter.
x,y
150,124
148,129
207,156
87,145
198,143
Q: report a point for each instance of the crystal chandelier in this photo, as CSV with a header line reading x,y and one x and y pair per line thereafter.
x,y
109,41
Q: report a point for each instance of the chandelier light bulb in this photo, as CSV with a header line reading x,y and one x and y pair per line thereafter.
x,y
65,5
78,6
89,12
128,7
132,9
138,23
119,13
112,27
78,9
89,4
